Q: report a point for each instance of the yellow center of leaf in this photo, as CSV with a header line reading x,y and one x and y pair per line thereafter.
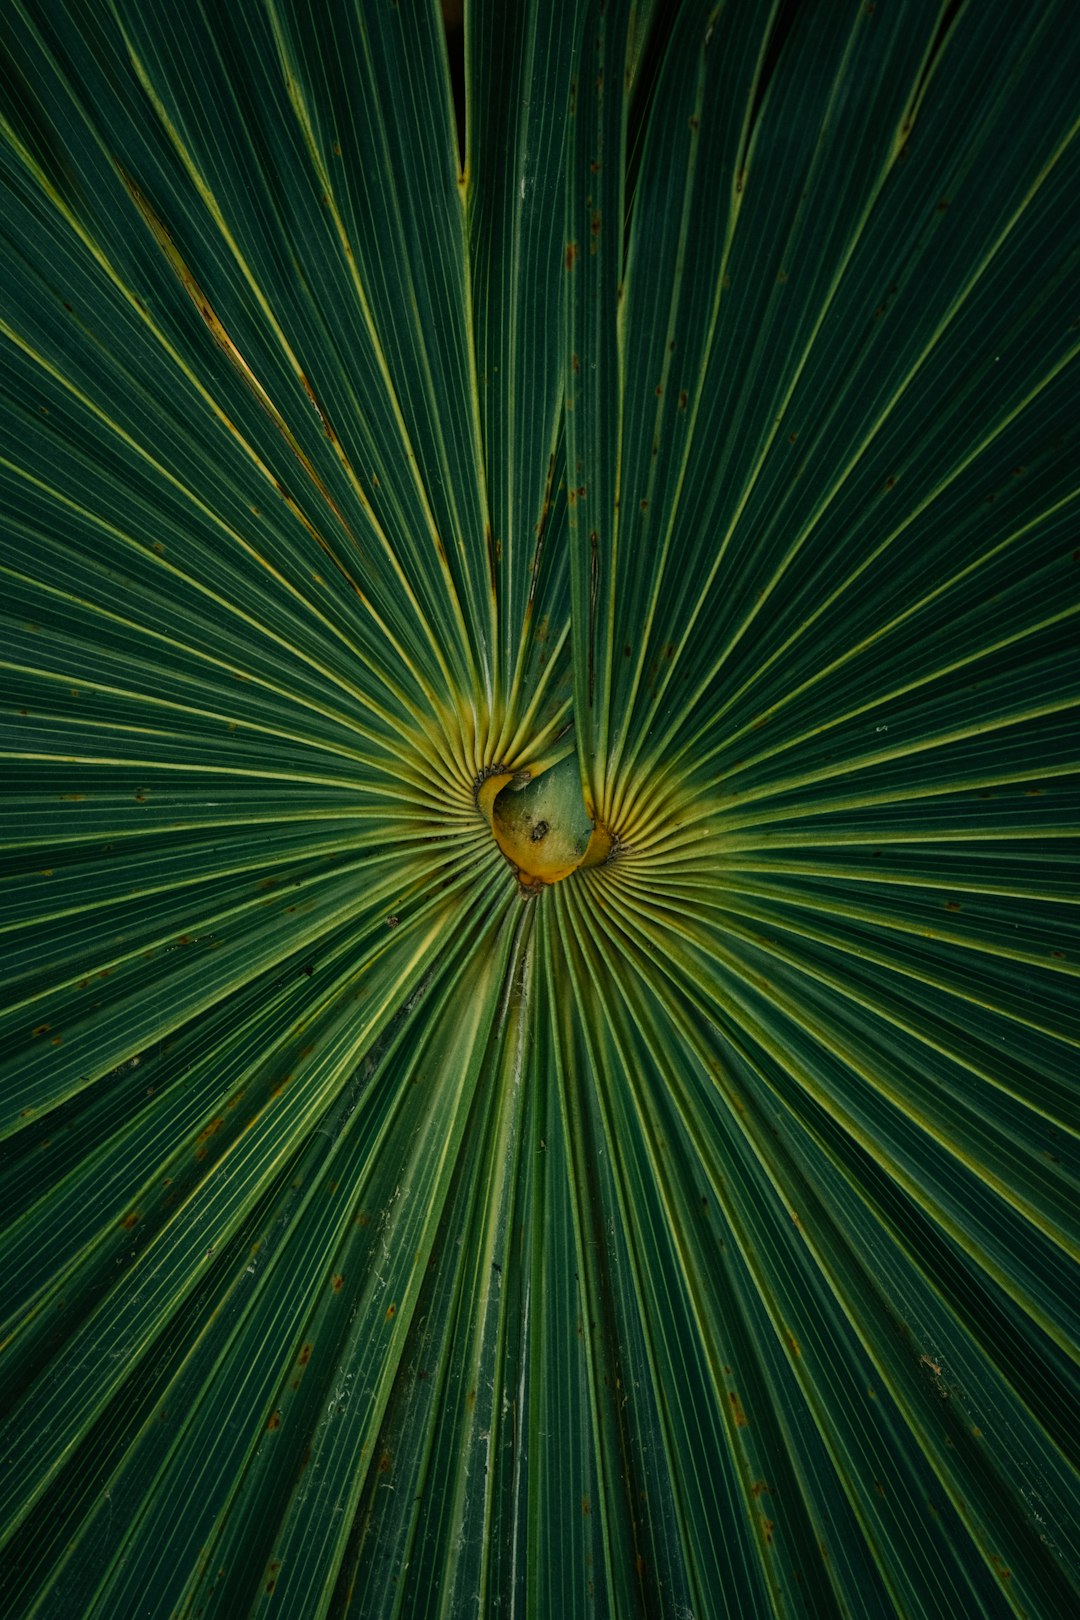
x,y
541,825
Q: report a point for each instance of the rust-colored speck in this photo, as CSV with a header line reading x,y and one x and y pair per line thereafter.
x,y
337,1282
741,1419
571,254
767,1528
384,1461
391,1312
305,1354
639,1565
793,1345
130,1219
659,390
274,1421
470,1399
890,482
41,1029
684,399
575,363
644,504
585,1506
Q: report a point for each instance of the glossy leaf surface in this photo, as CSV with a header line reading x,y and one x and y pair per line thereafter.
x,y
388,1231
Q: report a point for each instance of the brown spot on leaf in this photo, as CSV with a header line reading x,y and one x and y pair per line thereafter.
x,y
571,254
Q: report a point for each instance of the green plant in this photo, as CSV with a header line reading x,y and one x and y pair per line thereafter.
x,y
390,1234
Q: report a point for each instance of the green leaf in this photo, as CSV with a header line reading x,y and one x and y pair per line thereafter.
x,y
652,425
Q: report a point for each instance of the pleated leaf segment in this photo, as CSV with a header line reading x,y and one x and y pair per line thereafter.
x,y
538,1051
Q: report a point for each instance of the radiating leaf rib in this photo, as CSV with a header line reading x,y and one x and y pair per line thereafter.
x,y
392,1232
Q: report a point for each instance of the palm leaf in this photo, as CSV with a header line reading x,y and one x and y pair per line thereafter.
x,y
388,1232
